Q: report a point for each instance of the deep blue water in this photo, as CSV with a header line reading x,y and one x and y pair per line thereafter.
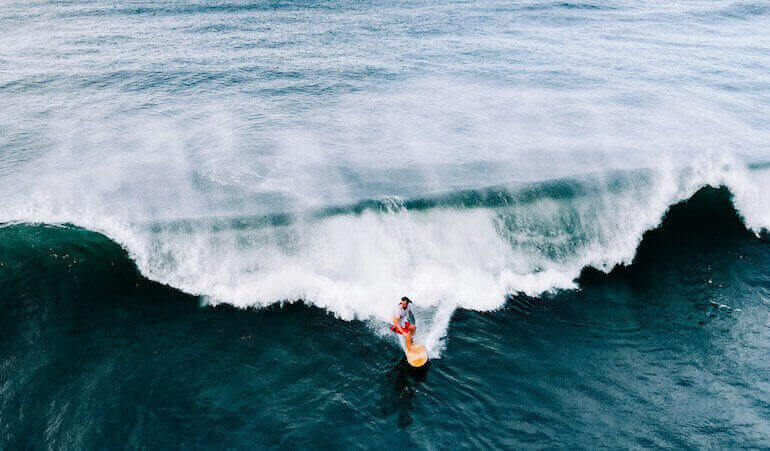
x,y
208,210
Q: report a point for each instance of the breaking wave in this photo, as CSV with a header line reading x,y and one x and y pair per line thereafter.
x,y
462,249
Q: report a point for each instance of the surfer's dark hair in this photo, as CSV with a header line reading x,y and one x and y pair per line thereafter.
x,y
406,299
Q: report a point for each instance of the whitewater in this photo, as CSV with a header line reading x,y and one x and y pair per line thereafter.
x,y
348,156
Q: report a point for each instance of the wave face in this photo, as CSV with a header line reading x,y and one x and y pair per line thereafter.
x,y
347,154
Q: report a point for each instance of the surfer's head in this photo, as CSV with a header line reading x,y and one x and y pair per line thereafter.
x,y
405,301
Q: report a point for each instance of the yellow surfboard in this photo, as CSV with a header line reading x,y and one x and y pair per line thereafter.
x,y
418,356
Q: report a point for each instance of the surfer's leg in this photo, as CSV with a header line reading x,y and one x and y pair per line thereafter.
x,y
408,338
411,329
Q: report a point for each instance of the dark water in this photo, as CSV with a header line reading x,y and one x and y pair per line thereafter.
x,y
671,351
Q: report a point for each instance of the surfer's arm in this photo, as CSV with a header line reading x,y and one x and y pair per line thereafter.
x,y
398,326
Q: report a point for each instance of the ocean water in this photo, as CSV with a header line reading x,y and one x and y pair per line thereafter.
x,y
209,210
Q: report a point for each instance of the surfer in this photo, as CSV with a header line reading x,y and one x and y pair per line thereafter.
x,y
401,325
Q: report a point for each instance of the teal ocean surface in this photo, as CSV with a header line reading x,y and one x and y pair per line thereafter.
x,y
210,209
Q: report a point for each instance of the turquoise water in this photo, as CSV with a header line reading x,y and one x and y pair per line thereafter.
x,y
210,209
